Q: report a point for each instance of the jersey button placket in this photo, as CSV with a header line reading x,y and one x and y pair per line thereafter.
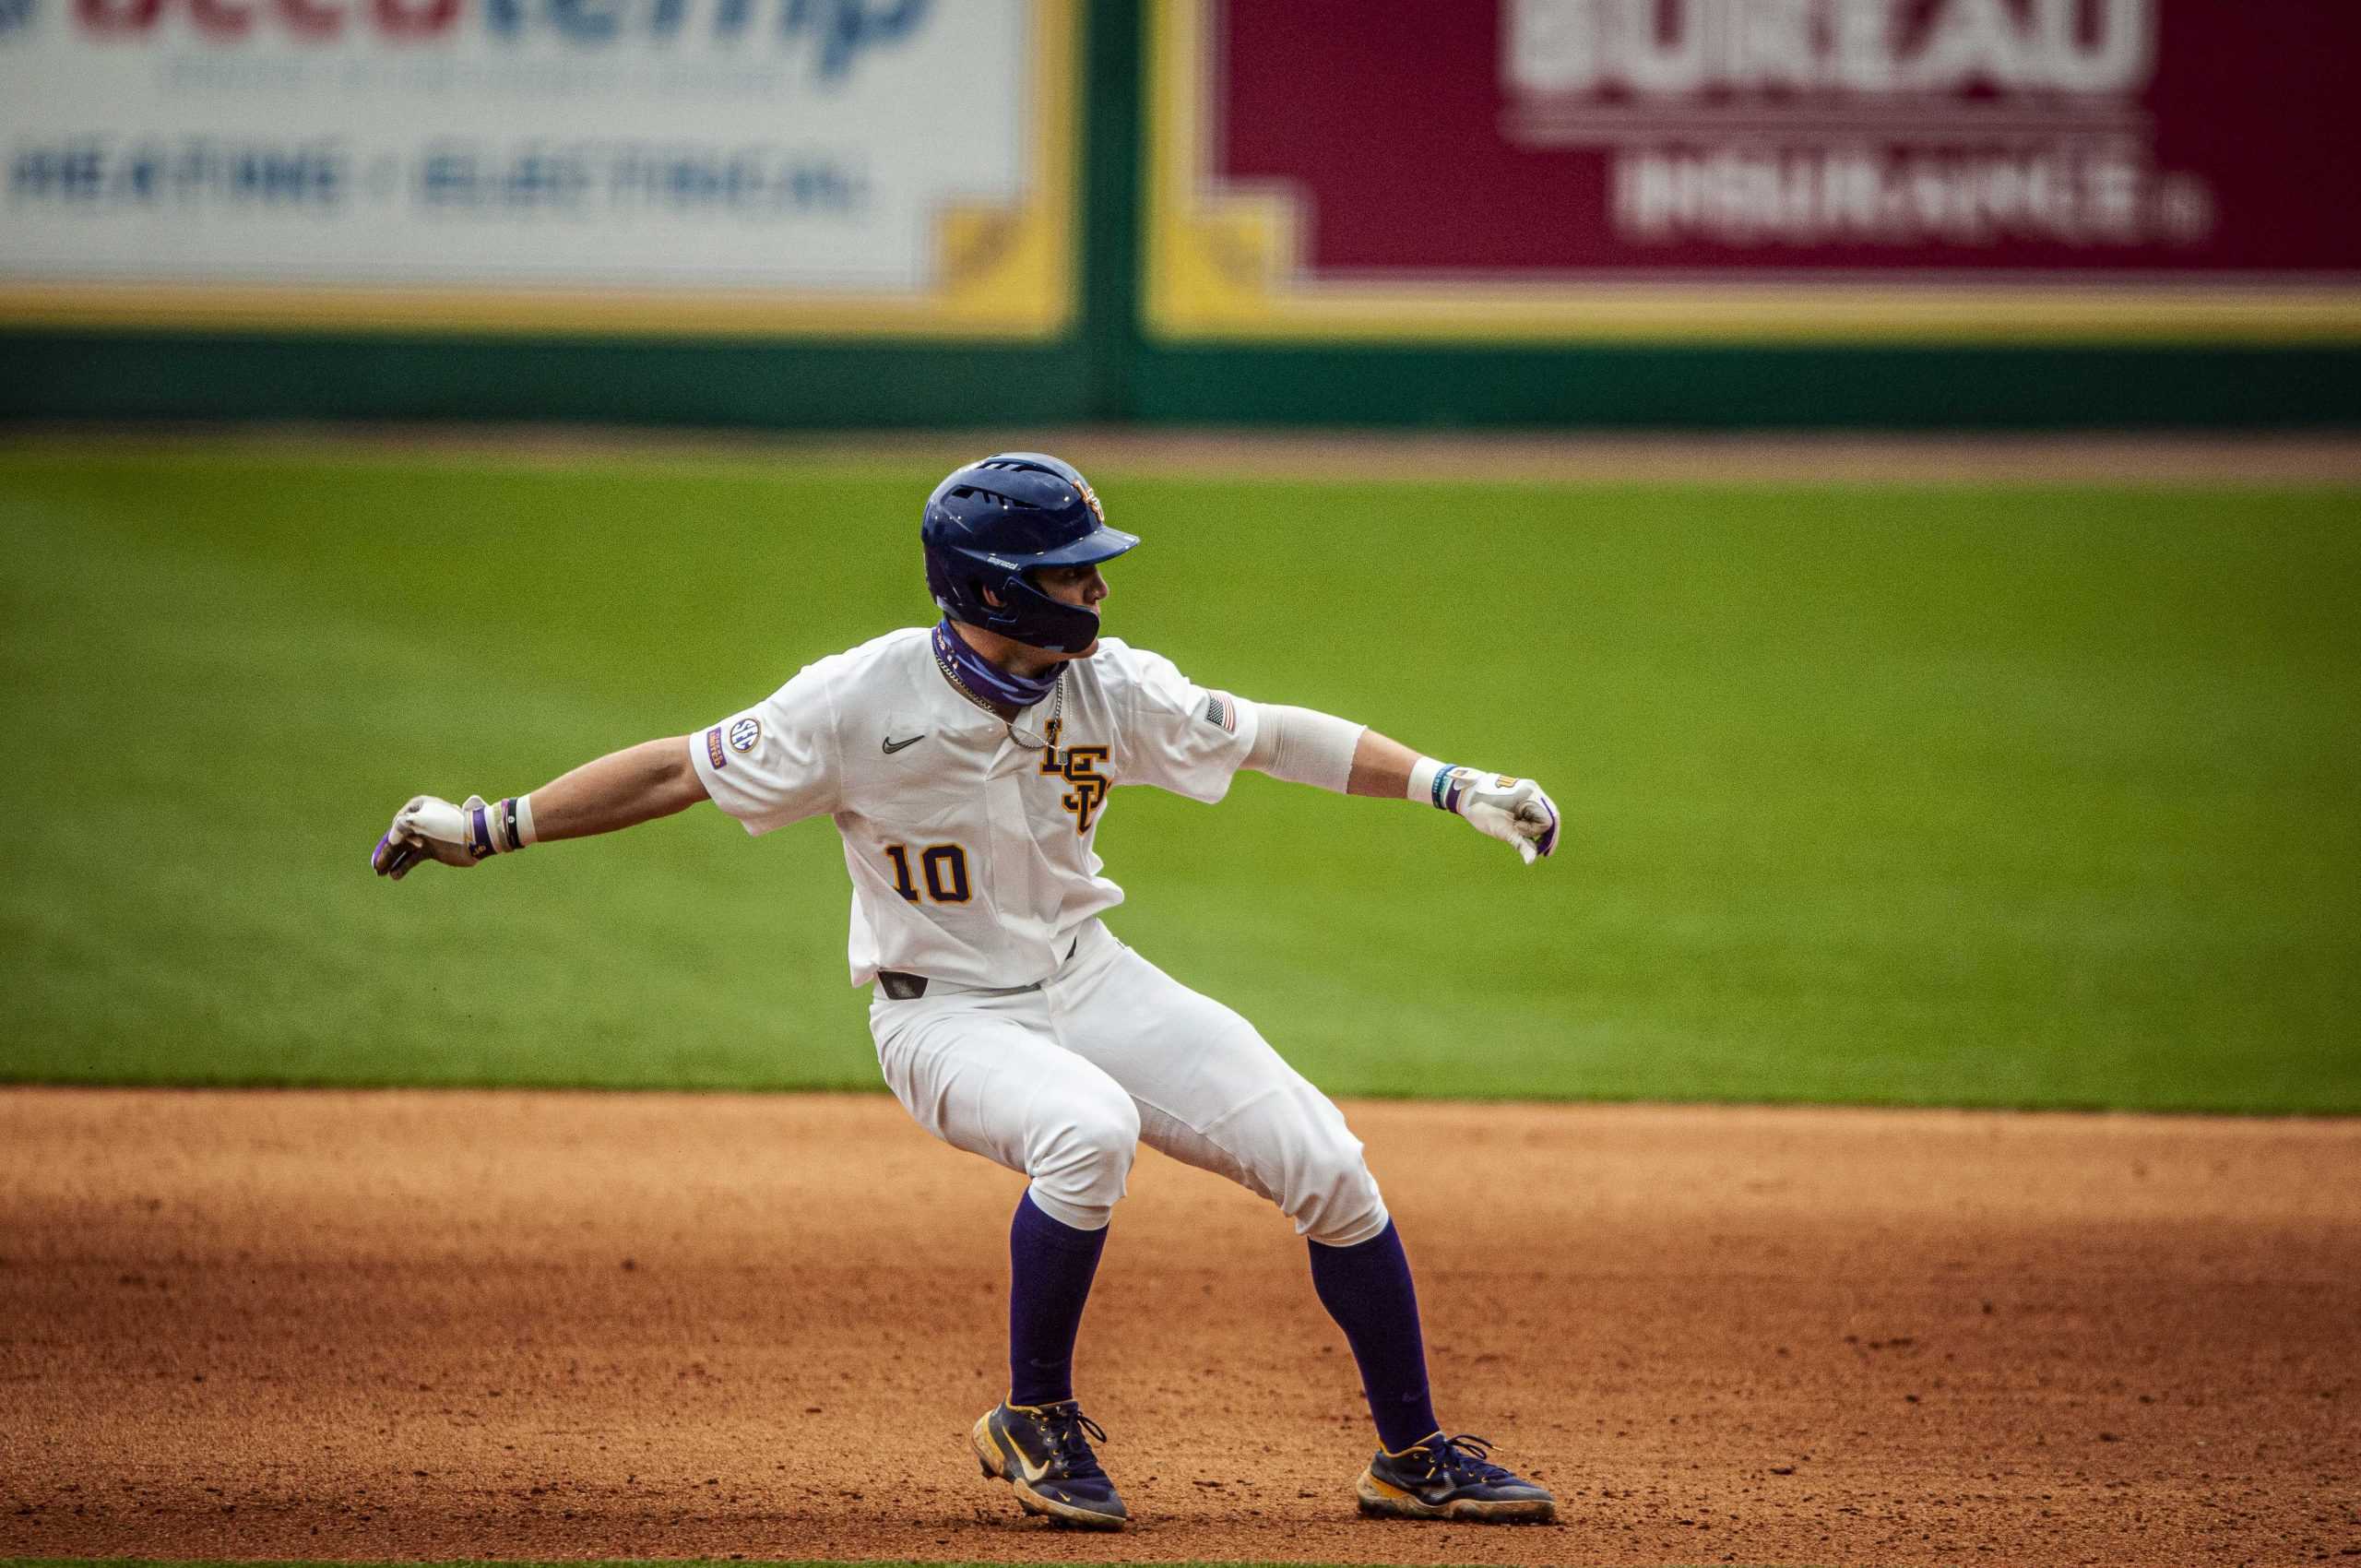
x,y
1012,843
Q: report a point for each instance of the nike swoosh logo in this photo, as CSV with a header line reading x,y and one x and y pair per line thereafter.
x,y
892,745
1033,1473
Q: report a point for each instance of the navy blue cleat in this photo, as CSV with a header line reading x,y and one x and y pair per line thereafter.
x,y
1452,1478
1043,1453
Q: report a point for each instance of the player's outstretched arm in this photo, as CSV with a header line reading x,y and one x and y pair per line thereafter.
x,y
1314,748
618,790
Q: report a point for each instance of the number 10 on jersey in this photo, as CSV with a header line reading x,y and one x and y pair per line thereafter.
x,y
945,867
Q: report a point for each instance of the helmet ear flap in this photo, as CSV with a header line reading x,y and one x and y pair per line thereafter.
x,y
990,594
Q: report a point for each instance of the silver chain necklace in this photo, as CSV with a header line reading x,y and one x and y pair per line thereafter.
x,y
1056,704
1057,716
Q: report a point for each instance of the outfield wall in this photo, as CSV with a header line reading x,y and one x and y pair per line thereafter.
x,y
870,212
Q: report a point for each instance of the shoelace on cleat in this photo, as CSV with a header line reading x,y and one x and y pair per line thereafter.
x,y
1066,1425
1467,1456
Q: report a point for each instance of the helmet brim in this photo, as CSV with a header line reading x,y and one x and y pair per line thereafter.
x,y
1101,544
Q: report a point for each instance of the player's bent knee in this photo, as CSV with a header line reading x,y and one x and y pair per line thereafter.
x,y
1082,1162
1337,1202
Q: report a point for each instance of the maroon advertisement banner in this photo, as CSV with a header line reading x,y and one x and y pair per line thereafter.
x,y
1754,171
1797,139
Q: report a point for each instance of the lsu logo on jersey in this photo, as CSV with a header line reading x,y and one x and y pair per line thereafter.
x,y
1078,765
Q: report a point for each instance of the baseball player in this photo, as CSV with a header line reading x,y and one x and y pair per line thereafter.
x,y
967,766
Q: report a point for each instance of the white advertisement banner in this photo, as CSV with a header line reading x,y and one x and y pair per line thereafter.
x,y
737,166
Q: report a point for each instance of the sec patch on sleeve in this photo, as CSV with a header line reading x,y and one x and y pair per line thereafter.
x,y
744,734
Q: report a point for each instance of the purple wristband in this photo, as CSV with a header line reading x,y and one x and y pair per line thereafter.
x,y
482,846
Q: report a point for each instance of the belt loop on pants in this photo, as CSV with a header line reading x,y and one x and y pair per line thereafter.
x,y
901,986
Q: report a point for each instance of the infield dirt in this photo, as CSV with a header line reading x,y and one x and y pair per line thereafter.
x,y
448,1324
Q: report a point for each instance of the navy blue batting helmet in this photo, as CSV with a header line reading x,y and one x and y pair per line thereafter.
x,y
991,523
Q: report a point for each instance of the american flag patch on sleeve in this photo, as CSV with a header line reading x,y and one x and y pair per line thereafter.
x,y
1221,710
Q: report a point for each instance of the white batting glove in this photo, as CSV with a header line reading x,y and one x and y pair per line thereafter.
x,y
432,828
1517,811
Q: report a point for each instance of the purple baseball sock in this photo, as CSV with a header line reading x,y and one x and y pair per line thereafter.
x,y
1050,1267
1366,1289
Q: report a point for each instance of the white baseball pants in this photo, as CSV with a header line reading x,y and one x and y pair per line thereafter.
x,y
1063,1082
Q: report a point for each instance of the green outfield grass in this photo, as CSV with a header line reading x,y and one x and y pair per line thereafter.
x,y
2017,797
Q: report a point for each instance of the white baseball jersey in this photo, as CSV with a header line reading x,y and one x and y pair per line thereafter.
x,y
969,840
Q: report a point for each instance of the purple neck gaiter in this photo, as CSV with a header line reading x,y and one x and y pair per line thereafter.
x,y
969,671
